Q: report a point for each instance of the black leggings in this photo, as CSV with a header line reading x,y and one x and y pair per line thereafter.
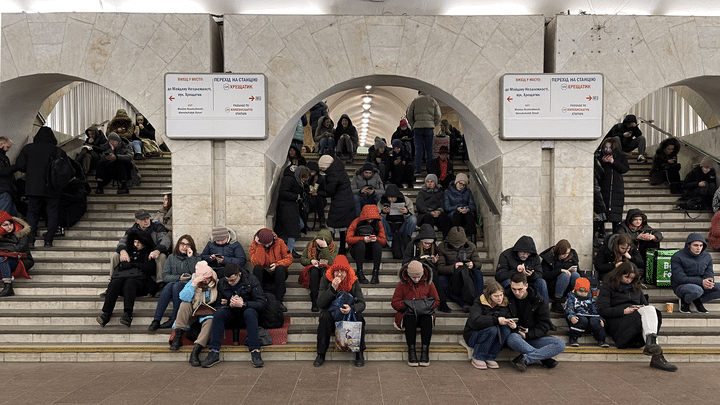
x,y
411,323
362,250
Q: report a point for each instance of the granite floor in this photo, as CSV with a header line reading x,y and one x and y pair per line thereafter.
x,y
386,382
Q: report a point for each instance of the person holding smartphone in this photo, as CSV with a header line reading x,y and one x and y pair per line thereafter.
x,y
488,326
223,248
560,271
365,239
644,236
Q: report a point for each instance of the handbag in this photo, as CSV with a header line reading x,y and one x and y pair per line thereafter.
x,y
341,299
348,333
264,335
420,307
364,230
592,275
203,310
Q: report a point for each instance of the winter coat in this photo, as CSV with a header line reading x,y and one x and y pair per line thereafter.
x,y
359,182
408,290
321,132
198,296
34,161
139,259
249,290
368,215
373,154
148,130
291,194
177,265
625,226
18,242
350,130
619,129
536,317
298,160
320,109
605,258
277,253
414,249
313,252
688,268
342,202
660,162
423,112
483,315
611,181
456,248
612,302
455,198
159,235
123,151
98,141
232,252
695,176
434,168
164,217
327,294
403,154
430,199
576,305
552,267
7,175
393,191
509,261
405,135
122,120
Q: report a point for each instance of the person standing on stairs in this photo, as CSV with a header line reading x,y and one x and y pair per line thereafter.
x,y
610,166
365,239
629,320
693,278
423,115
342,203
116,163
34,160
15,257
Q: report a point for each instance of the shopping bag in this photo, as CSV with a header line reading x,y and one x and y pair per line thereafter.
x,y
348,333
657,266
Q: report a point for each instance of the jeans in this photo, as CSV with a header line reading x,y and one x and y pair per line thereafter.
x,y
423,138
540,287
690,292
363,201
486,343
587,324
276,279
536,349
408,226
235,318
443,282
7,265
638,143
171,292
137,146
563,281
325,143
33,216
7,204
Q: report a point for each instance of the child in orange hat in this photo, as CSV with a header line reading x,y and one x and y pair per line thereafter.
x,y
582,314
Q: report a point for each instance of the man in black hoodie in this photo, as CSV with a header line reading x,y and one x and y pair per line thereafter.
x,y
522,258
396,212
629,136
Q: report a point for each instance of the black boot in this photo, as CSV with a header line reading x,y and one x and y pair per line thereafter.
x,y
195,355
177,340
7,290
313,302
658,361
700,307
361,277
122,189
359,359
557,305
412,356
375,277
652,348
425,355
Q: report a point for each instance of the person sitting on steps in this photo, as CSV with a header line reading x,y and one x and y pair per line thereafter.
x,y
15,256
115,164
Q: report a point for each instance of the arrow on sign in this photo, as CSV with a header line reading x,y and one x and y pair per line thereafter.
x,y
252,98
509,98
588,98
172,98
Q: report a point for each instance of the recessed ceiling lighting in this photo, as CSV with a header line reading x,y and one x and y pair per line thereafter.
x,y
366,106
367,99
368,87
365,120
366,114
364,125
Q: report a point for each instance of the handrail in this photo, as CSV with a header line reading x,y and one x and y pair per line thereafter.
x,y
481,180
684,142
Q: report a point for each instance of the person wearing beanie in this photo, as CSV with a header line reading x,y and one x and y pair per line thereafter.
x,y
365,239
319,254
223,248
324,136
581,314
367,187
416,284
14,251
199,301
443,168
701,183
242,300
401,166
629,136
325,161
460,206
430,205
379,156
346,138
342,202
404,134
339,277
423,114
116,163
271,258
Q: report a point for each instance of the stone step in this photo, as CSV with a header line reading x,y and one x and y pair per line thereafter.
x,y
112,205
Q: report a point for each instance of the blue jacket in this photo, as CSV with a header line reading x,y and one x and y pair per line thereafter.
x,y
577,305
455,198
688,268
233,252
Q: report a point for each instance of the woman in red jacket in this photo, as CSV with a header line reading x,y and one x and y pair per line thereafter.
x,y
365,239
415,284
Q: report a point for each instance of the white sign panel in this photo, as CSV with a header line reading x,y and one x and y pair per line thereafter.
x,y
215,106
551,106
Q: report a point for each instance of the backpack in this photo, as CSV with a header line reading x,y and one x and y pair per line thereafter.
x,y
272,316
693,204
400,241
60,171
714,234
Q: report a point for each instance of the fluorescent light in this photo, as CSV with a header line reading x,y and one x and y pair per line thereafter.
x,y
367,99
366,114
368,87
366,106
364,125
365,120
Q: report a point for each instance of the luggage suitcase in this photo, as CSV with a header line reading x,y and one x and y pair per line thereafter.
x,y
657,266
439,141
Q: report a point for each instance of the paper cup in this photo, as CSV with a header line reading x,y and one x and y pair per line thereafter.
x,y
669,307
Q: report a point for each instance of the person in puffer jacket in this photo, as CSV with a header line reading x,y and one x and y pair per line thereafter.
x,y
522,257
693,279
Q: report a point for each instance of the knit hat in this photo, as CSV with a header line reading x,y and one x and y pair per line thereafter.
x,y
220,234
379,143
582,282
325,161
114,137
141,214
461,177
403,123
444,149
415,269
368,167
203,273
707,162
432,177
396,143
265,236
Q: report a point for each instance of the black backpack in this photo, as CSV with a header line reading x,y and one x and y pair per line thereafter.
x,y
400,241
272,316
60,171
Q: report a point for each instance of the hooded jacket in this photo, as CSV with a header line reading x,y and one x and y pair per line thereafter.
x,y
610,179
322,132
619,129
232,252
122,120
430,199
696,175
660,161
393,191
313,252
405,135
328,294
456,248
509,261
625,226
34,161
298,160
414,250
339,189
99,139
17,242
408,290
688,268
423,112
291,194
350,130
359,182
605,258
7,174
536,317
148,130
368,215
483,315
139,259
277,253
455,198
